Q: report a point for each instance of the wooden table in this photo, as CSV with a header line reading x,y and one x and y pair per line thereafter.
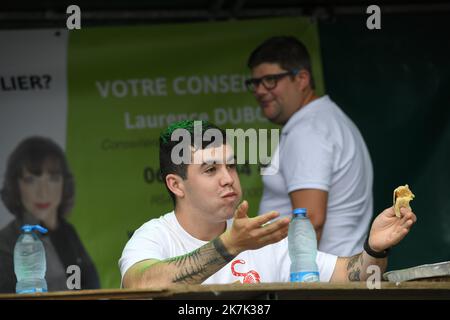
x,y
272,291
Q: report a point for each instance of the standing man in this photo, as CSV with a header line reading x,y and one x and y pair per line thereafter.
x,y
324,164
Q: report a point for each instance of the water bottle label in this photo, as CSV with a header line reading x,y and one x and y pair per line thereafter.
x,y
33,290
308,276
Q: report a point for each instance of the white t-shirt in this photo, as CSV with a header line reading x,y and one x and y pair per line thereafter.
x,y
321,148
164,238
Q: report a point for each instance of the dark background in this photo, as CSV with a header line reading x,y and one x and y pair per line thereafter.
x,y
395,84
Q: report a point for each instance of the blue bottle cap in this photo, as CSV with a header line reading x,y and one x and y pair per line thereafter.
x,y
301,211
30,227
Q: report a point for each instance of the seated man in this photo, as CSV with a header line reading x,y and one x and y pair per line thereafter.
x,y
194,244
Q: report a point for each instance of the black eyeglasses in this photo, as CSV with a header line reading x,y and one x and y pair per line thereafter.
x,y
269,81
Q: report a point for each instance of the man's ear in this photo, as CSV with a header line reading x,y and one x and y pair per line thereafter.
x,y
175,184
304,79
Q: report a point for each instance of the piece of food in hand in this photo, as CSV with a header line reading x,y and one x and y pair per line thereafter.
x,y
402,197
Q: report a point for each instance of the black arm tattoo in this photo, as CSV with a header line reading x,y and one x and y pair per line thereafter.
x,y
200,264
354,267
218,244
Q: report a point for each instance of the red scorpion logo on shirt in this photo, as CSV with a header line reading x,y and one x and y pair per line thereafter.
x,y
249,277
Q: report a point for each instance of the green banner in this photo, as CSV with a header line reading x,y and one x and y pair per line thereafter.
x,y
127,84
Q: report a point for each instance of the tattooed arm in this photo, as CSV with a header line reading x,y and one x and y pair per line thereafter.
x,y
387,230
196,266
355,268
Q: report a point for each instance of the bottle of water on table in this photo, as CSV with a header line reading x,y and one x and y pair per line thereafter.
x,y
29,261
302,245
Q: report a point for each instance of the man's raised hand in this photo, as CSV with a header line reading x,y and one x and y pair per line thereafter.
x,y
388,230
253,233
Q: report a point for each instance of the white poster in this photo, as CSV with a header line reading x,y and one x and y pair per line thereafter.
x,y
33,91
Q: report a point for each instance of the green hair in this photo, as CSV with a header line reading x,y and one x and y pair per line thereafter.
x,y
184,124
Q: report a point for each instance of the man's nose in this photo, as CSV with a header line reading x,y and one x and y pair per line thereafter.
x,y
227,178
259,90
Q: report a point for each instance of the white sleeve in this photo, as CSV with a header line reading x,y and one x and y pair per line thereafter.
x,y
146,243
306,160
326,263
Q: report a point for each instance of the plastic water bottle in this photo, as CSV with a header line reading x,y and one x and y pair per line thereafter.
x,y
29,261
302,245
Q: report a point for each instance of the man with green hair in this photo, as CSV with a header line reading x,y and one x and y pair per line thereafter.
x,y
199,242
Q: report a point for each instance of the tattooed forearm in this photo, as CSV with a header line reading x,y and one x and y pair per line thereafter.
x,y
354,267
200,264
191,268
218,244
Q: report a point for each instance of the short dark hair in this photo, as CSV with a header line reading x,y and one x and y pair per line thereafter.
x,y
33,154
289,52
166,145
